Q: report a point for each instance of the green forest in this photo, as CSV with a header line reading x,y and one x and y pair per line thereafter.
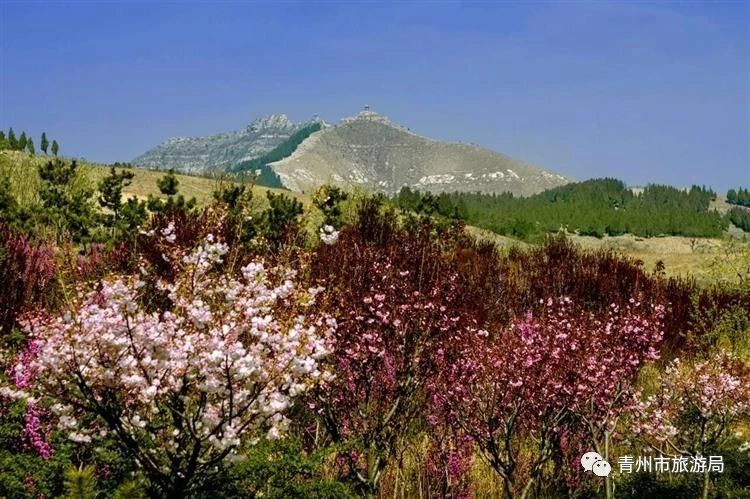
x,y
595,207
739,196
267,177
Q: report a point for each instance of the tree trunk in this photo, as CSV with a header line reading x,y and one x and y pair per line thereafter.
x,y
608,484
508,488
527,488
706,484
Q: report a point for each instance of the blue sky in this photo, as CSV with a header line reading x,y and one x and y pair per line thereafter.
x,y
646,92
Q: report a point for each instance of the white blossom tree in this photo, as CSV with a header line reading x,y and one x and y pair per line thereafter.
x,y
180,389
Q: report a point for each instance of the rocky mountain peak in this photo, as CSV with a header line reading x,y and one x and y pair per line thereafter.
x,y
220,151
271,122
365,115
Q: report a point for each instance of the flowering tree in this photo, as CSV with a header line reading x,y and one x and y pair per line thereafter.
x,y
624,339
561,369
395,305
695,407
180,389
448,461
382,352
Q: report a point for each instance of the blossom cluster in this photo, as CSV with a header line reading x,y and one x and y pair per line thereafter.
x,y
188,384
329,235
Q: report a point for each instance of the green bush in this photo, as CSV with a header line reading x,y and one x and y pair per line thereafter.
x,y
278,470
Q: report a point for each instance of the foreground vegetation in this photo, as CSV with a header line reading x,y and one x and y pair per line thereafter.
x,y
159,347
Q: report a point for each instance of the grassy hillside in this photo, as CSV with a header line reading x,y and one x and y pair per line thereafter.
x,y
680,255
21,169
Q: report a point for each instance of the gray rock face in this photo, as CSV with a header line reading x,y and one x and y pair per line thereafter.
x,y
370,151
199,154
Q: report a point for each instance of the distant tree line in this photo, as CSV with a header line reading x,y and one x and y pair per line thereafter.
x,y
739,196
117,164
266,175
25,143
595,207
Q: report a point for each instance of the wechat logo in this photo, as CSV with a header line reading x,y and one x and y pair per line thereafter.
x,y
593,461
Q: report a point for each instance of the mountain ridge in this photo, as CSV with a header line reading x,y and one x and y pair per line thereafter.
x,y
366,149
370,150
223,150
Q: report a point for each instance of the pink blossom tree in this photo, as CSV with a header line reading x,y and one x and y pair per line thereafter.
x,y
602,387
538,379
183,388
695,407
395,308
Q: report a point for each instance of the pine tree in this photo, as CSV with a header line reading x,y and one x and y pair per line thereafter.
x,y
281,220
12,142
168,184
30,146
80,483
55,147
111,187
44,143
66,200
3,141
22,141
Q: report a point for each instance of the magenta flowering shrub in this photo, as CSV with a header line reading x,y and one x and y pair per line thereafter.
x,y
450,456
180,389
382,354
562,372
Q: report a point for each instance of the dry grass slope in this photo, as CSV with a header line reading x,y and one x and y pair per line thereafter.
x,y
371,152
22,170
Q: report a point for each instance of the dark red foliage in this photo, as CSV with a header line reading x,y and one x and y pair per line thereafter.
x,y
27,275
515,283
397,299
190,228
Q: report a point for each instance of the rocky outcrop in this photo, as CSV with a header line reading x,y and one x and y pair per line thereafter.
x,y
219,152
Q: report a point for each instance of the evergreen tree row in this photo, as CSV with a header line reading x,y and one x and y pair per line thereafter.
x,y
266,175
25,143
594,207
739,196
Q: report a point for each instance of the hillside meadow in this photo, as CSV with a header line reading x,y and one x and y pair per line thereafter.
x,y
258,343
21,169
